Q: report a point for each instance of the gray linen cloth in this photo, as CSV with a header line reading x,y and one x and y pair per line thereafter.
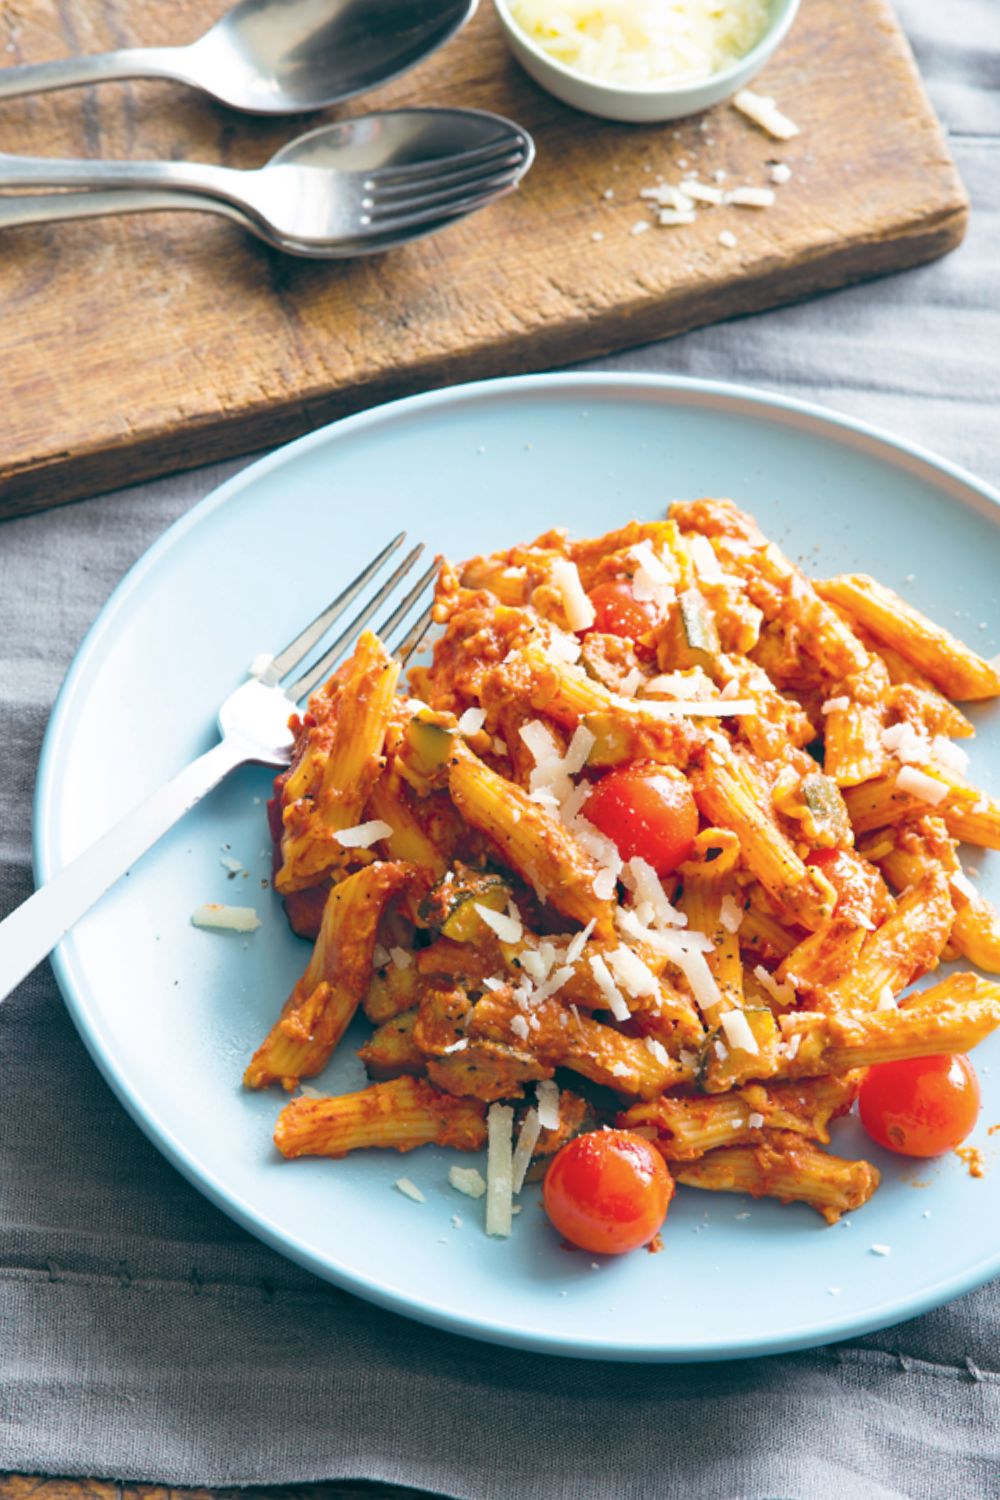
x,y
145,1337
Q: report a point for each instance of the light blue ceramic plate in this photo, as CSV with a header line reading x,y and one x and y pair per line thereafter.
x,y
170,1014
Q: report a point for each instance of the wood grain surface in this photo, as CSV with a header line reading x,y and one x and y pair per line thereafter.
x,y
135,346
29,1487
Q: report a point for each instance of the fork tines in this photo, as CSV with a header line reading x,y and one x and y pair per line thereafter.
x,y
298,649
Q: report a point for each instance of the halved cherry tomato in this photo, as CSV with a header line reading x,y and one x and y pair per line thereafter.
x,y
608,1191
647,810
619,612
920,1106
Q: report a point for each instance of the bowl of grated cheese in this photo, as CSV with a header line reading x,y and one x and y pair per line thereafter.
x,y
644,60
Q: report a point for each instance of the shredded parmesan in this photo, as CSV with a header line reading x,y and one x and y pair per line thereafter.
x,y
499,1167
225,918
737,1029
751,197
508,929
547,1094
755,1120
458,1046
363,835
918,784
886,999
579,942
781,994
467,1180
952,757
903,741
657,1050
400,958
538,738
835,705
580,613
609,990
672,218
794,1042
703,192
959,881
472,721
634,44
409,1189
527,1140
730,913
634,976
765,113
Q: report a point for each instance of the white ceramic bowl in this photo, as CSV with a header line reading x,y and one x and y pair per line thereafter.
x,y
643,104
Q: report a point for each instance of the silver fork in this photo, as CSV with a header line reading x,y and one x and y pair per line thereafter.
x,y
356,184
253,727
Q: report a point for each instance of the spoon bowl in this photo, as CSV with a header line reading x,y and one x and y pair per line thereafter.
x,y
270,57
274,57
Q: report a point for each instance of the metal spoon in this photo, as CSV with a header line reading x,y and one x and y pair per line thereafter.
x,y
343,190
274,57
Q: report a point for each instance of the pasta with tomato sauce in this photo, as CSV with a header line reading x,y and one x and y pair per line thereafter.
x,y
660,839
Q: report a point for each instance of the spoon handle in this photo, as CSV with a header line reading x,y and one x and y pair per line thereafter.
x,y
102,67
196,176
54,208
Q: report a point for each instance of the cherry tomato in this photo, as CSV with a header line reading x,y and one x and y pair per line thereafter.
x,y
619,612
646,810
921,1106
608,1191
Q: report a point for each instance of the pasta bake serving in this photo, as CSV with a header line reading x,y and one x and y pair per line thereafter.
x,y
633,880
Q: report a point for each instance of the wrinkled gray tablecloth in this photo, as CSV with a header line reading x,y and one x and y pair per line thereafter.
x,y
142,1335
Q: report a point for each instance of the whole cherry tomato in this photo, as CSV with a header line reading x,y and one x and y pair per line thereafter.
x,y
608,1191
619,612
920,1106
648,811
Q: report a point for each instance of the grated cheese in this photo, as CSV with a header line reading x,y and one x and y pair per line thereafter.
x,y
755,1120
527,1140
635,44
703,192
657,1050
727,239
836,705
780,172
635,977
472,721
952,757
400,958
547,1094
409,1189
363,835
609,990
730,913
781,994
580,746
903,741
794,1043
380,956
225,918
540,741
881,1249
467,1180
765,113
579,942
960,882
499,1168
458,1046
668,196
886,999
751,197
738,1034
716,708
580,613
604,884
507,928
672,218
918,784
519,1027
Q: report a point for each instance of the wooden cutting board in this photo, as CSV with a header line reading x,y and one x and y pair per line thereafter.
x,y
130,347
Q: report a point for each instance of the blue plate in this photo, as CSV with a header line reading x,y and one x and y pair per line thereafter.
x,y
170,1014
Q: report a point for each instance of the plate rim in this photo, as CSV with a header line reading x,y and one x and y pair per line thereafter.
x,y
965,488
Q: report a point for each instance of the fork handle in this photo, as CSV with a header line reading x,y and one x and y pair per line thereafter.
x,y
37,925
102,67
83,172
